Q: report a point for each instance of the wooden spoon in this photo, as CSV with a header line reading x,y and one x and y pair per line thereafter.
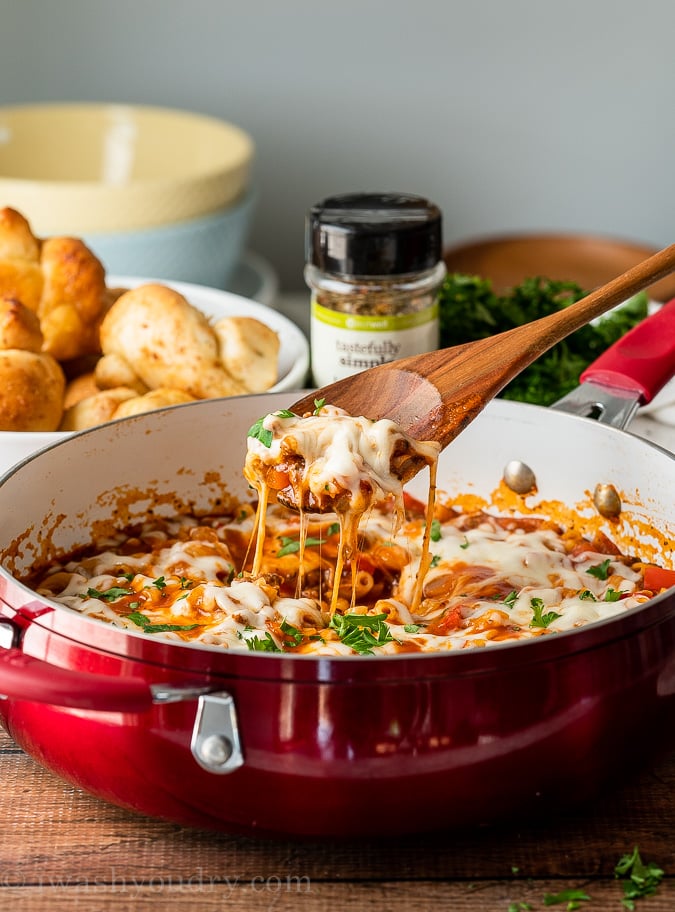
x,y
434,396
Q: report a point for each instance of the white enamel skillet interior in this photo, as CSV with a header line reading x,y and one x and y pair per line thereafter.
x,y
191,452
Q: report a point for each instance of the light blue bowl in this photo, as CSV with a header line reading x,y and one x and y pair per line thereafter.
x,y
204,250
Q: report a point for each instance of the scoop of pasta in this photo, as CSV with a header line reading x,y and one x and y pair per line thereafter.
x,y
332,462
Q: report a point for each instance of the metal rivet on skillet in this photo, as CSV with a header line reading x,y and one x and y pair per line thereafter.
x,y
215,750
519,477
607,501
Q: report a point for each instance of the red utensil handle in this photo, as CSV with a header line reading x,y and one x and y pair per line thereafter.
x,y
24,677
643,359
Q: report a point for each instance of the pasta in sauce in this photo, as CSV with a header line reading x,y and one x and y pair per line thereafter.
x,y
357,568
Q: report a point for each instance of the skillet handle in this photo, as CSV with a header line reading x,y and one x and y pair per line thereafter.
x,y
24,677
643,360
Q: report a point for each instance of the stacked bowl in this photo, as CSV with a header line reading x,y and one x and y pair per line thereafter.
x,y
152,191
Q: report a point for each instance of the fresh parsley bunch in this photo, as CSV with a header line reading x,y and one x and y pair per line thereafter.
x,y
470,309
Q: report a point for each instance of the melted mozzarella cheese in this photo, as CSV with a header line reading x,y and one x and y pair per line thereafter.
x,y
333,461
487,585
339,452
346,572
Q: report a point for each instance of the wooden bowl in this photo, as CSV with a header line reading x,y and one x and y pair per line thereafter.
x,y
588,260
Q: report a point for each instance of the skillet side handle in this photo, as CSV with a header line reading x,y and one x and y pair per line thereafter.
x,y
24,677
643,360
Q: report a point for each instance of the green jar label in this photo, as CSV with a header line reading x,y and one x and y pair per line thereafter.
x,y
344,344
384,323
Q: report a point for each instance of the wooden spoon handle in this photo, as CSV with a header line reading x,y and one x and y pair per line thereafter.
x,y
434,396
441,392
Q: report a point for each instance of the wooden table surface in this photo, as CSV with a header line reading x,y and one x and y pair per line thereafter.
x,y
64,850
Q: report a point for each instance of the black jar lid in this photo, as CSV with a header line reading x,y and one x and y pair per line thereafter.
x,y
373,234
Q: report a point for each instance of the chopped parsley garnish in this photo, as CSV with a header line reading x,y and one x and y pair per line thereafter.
x,y
587,596
465,544
412,628
333,529
362,632
110,595
148,627
159,583
435,533
573,898
600,571
511,599
639,879
127,576
292,545
266,644
185,583
539,619
318,405
612,595
292,636
262,434
435,560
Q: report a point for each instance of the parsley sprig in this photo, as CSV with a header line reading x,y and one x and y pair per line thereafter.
x,y
639,879
148,627
109,595
263,434
292,636
600,571
264,644
539,619
573,897
292,545
362,632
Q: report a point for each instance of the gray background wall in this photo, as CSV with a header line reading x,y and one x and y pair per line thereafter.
x,y
511,114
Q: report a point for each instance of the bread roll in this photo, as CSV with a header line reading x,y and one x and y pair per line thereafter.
x,y
60,280
19,326
74,298
31,391
167,343
96,409
249,351
159,398
20,271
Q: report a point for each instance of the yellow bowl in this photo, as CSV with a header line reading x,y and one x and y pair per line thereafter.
x,y
82,168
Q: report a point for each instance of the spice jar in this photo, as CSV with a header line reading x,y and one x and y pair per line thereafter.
x,y
374,265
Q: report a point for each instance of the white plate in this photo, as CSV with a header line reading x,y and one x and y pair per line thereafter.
x,y
293,354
